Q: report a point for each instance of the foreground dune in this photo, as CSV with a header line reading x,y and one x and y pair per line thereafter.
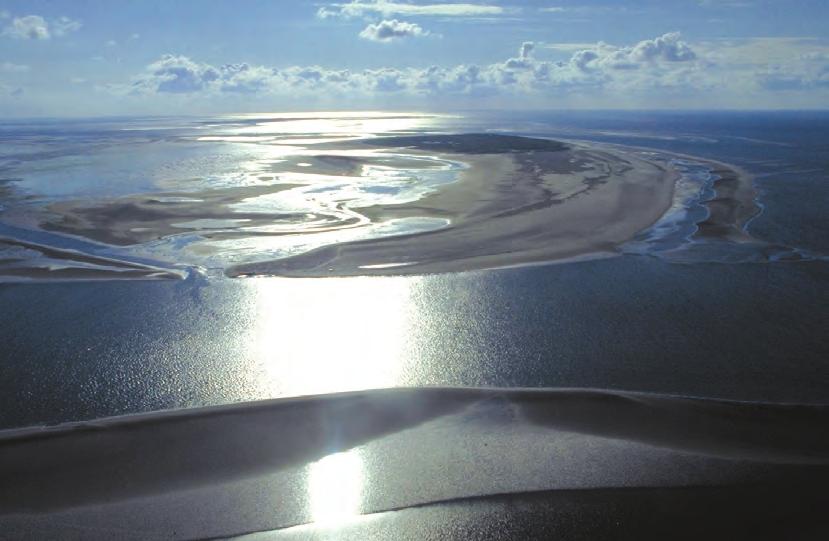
x,y
276,464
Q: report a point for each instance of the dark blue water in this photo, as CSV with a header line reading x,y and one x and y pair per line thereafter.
x,y
747,331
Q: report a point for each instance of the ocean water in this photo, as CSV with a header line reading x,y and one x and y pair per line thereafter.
x,y
720,322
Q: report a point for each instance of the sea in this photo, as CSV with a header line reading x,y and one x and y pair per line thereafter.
x,y
667,314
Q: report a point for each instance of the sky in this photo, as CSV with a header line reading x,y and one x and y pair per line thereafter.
x,y
105,58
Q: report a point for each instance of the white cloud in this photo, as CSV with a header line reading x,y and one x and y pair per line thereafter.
x,y
178,75
386,8
28,27
389,30
665,62
568,47
37,28
665,68
582,11
667,47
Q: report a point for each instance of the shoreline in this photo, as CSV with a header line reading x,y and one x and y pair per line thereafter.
x,y
733,206
59,264
740,197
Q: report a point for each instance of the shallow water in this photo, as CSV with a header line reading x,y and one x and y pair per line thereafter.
x,y
709,326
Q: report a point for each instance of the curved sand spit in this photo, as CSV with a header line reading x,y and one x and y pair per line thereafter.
x,y
520,201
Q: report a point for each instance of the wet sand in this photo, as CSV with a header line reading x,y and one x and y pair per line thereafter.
x,y
510,207
518,201
24,260
147,217
732,208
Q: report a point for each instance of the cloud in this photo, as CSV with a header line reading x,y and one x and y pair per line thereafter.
x,y
65,25
28,27
358,8
568,47
583,11
795,78
389,30
667,47
761,51
178,75
37,28
772,64
665,63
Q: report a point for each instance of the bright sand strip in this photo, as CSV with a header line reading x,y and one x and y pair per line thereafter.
x,y
506,209
36,261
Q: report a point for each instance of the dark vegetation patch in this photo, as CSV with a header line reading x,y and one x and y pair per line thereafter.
x,y
470,143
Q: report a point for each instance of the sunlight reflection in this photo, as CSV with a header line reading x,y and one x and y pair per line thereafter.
x,y
340,125
337,334
335,486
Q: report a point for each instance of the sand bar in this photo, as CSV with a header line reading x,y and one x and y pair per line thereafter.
x,y
513,201
520,201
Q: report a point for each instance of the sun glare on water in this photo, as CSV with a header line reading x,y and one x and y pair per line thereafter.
x,y
317,336
335,487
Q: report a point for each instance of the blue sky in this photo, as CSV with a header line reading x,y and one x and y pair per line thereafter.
x,y
159,57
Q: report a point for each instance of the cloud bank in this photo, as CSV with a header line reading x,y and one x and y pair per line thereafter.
x,y
663,61
665,66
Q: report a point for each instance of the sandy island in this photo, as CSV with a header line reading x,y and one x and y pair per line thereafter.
x,y
518,201
521,201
